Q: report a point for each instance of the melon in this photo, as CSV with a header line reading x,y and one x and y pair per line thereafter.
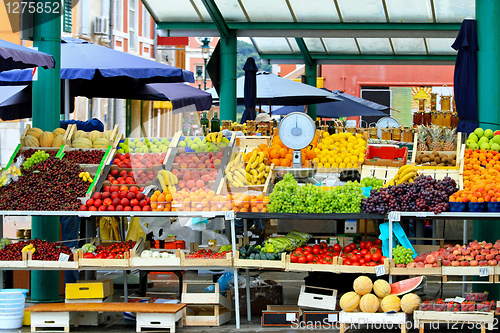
x,y
58,141
362,285
369,303
108,134
101,143
407,286
349,301
36,132
410,302
94,135
59,131
46,139
390,303
381,288
80,134
81,143
30,141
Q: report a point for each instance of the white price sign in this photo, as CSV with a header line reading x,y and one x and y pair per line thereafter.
x,y
291,316
229,215
63,257
421,214
380,270
483,272
84,214
459,299
395,216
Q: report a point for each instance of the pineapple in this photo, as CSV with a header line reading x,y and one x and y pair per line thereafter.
x,y
449,139
421,135
435,133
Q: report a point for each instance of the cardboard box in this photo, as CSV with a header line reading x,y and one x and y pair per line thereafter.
x,y
281,315
89,289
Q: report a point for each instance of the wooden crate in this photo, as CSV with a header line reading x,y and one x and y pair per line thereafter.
x,y
137,261
260,264
203,298
468,271
434,271
248,143
458,151
360,269
50,265
317,298
87,262
461,320
295,267
206,315
202,262
385,173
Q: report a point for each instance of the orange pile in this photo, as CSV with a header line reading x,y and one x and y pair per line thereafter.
x,y
481,177
282,156
242,202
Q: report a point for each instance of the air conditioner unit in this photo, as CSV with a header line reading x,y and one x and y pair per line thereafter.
x,y
101,26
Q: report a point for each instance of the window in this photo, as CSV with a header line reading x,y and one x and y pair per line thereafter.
x,y
118,14
132,24
68,15
146,23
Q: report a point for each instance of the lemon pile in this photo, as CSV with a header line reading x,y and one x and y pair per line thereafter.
x,y
342,150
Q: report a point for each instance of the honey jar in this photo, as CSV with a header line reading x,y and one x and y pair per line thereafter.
x,y
396,133
386,134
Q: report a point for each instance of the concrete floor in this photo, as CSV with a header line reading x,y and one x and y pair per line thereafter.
x,y
166,285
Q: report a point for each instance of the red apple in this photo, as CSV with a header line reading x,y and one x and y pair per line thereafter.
x,y
97,195
446,262
490,256
480,257
483,263
140,196
464,263
136,208
119,208
492,262
97,203
102,208
455,263
130,195
90,202
110,208
460,258
430,259
452,257
420,264
83,207
488,246
474,263
125,202
134,202
411,265
146,208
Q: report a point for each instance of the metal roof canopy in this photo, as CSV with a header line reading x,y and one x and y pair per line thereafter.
x,y
327,31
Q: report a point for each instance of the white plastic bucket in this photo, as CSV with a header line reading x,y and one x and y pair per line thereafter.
x,y
12,308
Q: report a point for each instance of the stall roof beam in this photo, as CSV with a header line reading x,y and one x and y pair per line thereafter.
x,y
315,29
217,17
305,52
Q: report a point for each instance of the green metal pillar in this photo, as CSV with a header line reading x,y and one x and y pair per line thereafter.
x,y
311,73
488,99
227,96
46,113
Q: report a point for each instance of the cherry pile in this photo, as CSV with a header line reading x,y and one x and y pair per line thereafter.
x,y
426,194
84,156
43,251
50,185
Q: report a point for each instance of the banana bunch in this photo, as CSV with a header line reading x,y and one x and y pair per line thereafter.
x,y
256,170
29,248
85,176
167,180
8,174
406,174
235,171
214,137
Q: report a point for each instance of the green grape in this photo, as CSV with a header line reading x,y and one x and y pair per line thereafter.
x,y
402,255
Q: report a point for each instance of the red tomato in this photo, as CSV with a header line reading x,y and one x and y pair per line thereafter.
x,y
336,254
323,245
308,248
299,249
378,241
362,244
302,260
347,249
355,264
90,256
369,244
355,258
293,258
376,256
337,248
368,257
316,249
372,263
310,257
362,262
353,246
363,252
306,252
347,262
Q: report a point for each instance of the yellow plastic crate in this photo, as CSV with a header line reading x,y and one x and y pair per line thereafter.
x,y
89,289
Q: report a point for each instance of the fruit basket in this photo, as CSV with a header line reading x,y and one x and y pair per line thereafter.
x,y
304,267
447,144
453,307
426,305
483,307
468,306
53,264
361,269
439,305
95,139
429,271
476,297
148,258
33,137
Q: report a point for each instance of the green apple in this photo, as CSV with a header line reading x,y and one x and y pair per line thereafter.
x,y
485,145
496,139
139,144
472,144
182,144
163,148
482,140
479,132
126,149
155,150
495,146
224,139
196,139
156,142
131,145
121,151
164,141
473,137
137,140
194,146
488,133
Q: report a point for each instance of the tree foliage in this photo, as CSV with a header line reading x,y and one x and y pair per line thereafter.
x,y
246,50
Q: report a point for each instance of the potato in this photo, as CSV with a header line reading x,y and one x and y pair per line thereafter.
x,y
436,153
426,159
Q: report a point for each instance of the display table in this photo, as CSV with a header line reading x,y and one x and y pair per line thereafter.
x,y
454,320
383,320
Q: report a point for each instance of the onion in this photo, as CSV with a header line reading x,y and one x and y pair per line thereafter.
x,y
146,254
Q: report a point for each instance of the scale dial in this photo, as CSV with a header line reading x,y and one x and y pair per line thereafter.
x,y
297,130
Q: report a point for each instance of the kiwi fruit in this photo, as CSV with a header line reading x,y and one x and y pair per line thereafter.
x,y
436,153
426,155
453,156
425,160
443,156
441,164
437,160
450,160
453,163
433,163
418,159
426,164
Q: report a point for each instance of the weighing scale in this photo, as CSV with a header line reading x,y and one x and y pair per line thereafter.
x,y
297,131
386,122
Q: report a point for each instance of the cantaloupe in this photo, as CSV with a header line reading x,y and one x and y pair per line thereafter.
x,y
94,135
58,131
58,141
30,141
362,285
81,143
36,132
381,288
369,303
349,301
80,134
46,139
101,143
390,303
108,134
410,302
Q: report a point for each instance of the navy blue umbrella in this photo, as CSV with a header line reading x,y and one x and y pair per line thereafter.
x,y
250,90
465,77
349,106
13,56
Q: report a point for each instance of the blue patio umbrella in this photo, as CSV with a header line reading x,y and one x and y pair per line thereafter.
x,y
465,76
250,90
349,106
13,56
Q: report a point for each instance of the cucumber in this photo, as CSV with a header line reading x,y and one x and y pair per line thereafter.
x,y
252,256
257,256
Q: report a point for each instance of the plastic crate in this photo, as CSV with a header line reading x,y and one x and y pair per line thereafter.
x,y
386,156
468,306
493,207
476,207
458,206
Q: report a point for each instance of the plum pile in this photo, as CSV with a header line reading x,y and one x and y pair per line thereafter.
x,y
84,156
426,194
43,251
49,185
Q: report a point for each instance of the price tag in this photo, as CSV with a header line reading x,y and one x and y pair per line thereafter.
x,y
380,270
177,205
331,182
333,317
290,316
63,257
395,216
84,214
420,214
483,272
447,300
459,299
229,215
